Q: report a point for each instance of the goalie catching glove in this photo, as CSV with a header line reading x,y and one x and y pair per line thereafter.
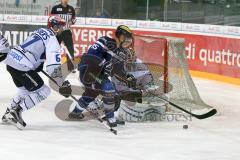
x,y
65,90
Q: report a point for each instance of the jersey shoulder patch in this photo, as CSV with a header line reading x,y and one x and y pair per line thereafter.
x,y
44,33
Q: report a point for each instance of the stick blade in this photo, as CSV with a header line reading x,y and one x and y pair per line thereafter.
x,y
208,114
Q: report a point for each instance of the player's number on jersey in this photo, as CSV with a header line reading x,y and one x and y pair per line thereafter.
x,y
58,58
95,46
45,35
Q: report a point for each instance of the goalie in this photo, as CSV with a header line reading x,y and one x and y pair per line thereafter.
x,y
126,61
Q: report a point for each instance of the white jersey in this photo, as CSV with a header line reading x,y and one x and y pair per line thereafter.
x,y
40,46
4,45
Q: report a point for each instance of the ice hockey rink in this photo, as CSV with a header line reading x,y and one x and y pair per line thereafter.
x,y
46,137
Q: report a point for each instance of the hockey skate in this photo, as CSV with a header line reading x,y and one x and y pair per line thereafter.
x,y
118,120
76,115
63,111
110,119
111,122
14,116
114,123
79,113
5,120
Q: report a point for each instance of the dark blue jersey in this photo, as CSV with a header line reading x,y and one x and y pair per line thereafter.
x,y
100,48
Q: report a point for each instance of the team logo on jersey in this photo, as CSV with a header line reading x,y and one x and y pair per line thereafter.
x,y
59,9
16,56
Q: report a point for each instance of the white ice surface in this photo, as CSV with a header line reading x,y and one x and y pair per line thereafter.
x,y
47,138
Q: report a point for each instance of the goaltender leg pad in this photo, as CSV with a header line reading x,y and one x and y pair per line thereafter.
x,y
30,80
27,99
142,112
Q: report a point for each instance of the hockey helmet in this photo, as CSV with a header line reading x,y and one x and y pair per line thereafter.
x,y
124,34
123,30
56,23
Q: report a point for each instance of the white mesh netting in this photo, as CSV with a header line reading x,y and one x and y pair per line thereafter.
x,y
166,59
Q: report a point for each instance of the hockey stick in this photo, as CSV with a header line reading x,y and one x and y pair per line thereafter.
x,y
75,99
69,60
208,114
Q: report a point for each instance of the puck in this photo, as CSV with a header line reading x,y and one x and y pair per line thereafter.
x,y
185,126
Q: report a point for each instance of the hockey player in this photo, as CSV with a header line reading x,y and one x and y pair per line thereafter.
x,y
25,61
67,12
4,48
96,68
127,61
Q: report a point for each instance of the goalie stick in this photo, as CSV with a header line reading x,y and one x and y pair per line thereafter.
x,y
208,114
75,99
204,115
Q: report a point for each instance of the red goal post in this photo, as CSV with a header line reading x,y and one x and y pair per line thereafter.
x,y
167,60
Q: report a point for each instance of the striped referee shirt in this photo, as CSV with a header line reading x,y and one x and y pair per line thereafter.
x,y
67,13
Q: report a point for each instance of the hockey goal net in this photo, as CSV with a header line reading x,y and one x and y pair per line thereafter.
x,y
167,61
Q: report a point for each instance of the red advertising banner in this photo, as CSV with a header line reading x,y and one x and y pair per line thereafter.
x,y
218,55
209,54
84,37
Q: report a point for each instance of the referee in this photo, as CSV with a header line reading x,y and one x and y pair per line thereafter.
x,y
67,12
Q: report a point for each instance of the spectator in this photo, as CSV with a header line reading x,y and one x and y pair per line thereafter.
x,y
17,2
78,7
153,16
100,14
77,10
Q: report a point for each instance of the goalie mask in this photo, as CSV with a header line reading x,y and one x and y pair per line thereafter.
x,y
56,24
124,35
126,54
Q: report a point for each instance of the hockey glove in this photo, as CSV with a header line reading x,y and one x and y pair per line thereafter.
x,y
2,57
65,90
131,81
40,68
